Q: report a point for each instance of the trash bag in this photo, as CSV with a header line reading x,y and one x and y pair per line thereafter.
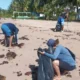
x,y
45,69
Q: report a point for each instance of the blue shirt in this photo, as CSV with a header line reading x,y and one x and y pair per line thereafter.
x,y
11,26
60,21
61,53
8,28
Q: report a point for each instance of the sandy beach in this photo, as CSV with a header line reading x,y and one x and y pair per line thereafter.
x,y
36,33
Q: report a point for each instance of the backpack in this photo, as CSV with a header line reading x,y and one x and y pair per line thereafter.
x,y
72,54
58,27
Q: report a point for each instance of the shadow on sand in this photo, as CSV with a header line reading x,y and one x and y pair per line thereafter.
x,y
52,29
33,72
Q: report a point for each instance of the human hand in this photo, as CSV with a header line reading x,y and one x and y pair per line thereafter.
x,y
41,52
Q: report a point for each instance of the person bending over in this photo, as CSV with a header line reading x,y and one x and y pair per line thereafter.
x,y
61,57
10,31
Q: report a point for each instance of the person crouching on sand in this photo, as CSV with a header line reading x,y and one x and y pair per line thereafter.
x,y
61,20
10,31
61,58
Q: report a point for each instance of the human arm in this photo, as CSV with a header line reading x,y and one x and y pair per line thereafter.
x,y
10,41
53,55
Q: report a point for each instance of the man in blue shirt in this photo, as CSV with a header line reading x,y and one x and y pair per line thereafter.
x,y
61,20
10,31
60,56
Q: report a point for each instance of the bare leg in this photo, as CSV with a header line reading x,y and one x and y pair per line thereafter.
x,y
57,70
62,28
10,41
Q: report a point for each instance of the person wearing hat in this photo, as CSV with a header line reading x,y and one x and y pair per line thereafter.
x,y
10,31
61,57
61,20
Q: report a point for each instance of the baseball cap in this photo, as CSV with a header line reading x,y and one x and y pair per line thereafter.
x,y
51,42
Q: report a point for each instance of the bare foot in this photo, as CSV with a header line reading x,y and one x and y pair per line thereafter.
x,y
10,47
57,78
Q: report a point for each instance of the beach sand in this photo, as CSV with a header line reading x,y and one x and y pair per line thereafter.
x,y
34,34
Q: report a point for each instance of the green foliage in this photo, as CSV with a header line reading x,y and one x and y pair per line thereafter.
x,y
72,16
48,7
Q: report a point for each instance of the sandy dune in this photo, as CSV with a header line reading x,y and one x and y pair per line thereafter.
x,y
36,33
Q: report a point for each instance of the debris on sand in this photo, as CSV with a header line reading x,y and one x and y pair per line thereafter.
x,y
20,45
2,77
20,54
1,41
42,38
35,49
78,33
28,73
67,31
38,38
44,42
2,56
79,70
68,35
34,73
4,62
23,38
64,38
16,64
69,75
74,38
19,73
57,36
30,28
11,55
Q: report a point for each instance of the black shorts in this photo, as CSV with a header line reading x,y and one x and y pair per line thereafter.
x,y
66,66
